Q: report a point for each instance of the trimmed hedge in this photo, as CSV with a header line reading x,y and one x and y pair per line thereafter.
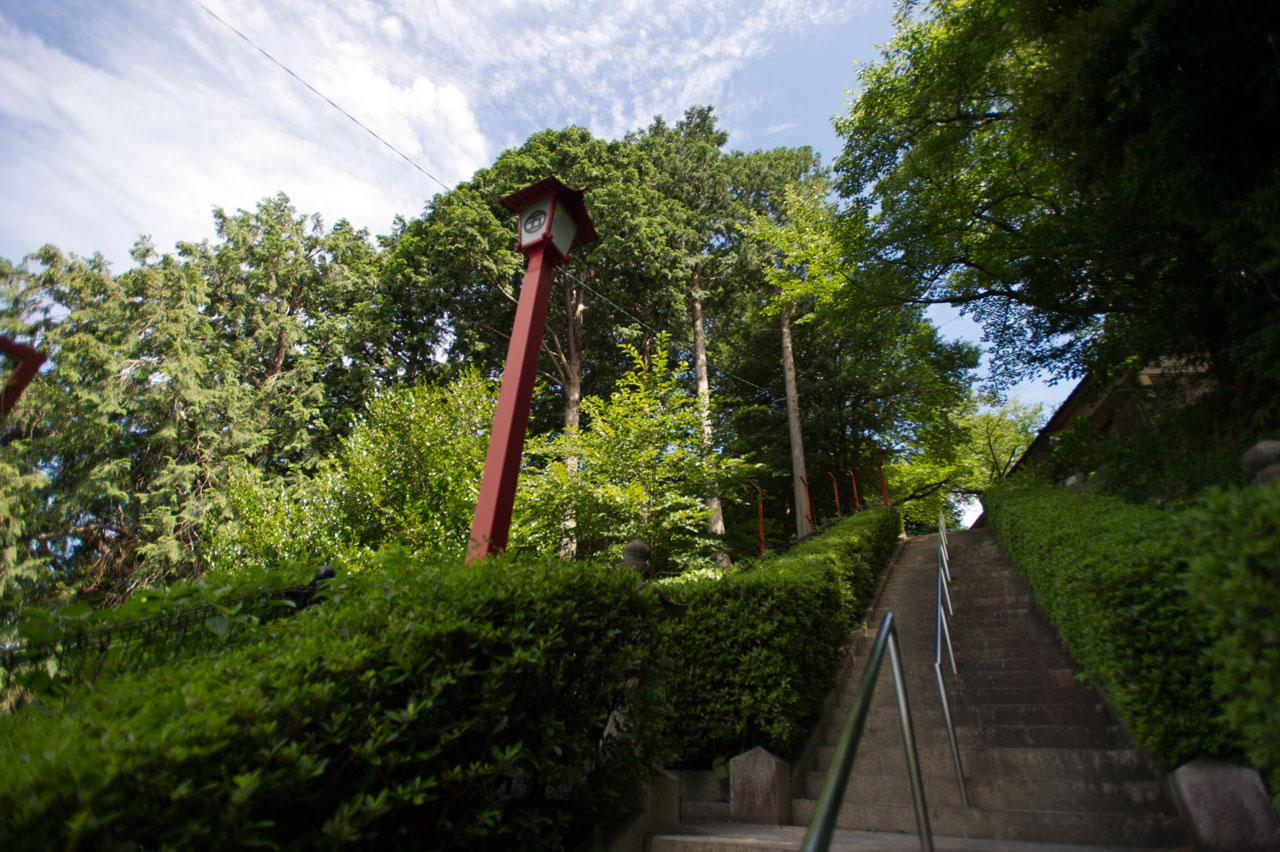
x,y
1234,581
755,652
1108,575
419,706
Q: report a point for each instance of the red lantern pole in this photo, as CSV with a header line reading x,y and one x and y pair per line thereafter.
x,y
884,492
492,521
836,489
29,361
808,505
856,504
759,513
552,221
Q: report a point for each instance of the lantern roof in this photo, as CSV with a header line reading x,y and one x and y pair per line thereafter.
x,y
569,199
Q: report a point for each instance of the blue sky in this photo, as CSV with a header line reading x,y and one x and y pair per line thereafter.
x,y
130,117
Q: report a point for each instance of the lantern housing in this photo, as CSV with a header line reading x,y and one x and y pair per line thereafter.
x,y
550,213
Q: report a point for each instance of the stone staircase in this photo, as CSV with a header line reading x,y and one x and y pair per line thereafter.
x,y
1046,765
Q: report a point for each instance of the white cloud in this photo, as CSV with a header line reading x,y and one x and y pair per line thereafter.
x,y
116,120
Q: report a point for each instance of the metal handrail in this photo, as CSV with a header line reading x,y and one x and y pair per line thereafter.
x,y
943,630
825,813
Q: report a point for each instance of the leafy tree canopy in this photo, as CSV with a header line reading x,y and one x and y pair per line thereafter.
x,y
1094,180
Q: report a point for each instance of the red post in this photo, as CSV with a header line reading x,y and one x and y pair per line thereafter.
x,y
492,519
884,492
759,513
836,489
29,361
808,505
854,479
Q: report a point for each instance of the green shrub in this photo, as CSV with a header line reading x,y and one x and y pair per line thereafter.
x,y
1166,463
418,706
1108,576
755,652
1234,580
408,474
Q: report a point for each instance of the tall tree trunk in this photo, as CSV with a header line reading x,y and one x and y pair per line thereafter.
x,y
793,425
715,524
574,306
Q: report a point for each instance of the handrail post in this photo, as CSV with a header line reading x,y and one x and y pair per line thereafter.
x,y
827,809
943,630
951,734
909,743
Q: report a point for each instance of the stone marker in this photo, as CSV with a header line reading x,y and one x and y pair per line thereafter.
x,y
1227,805
759,788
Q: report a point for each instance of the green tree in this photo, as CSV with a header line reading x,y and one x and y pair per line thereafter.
x,y
955,460
408,474
162,375
1048,168
461,249
873,376
638,469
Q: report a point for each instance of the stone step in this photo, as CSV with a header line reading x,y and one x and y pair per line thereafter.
x,y
928,713
927,690
1051,794
968,677
973,645
703,785
728,837
1008,824
703,810
1119,764
1045,764
992,736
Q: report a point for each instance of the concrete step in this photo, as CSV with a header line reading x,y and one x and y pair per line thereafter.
x,y
926,713
1008,824
927,690
728,837
1051,794
1119,764
974,645
697,810
703,785
922,675
992,736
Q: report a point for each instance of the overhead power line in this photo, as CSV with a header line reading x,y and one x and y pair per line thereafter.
x,y
442,184
654,331
321,95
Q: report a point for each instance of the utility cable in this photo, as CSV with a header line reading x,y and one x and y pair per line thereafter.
x,y
655,332
321,95
443,185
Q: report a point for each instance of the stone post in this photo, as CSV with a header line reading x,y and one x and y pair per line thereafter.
x,y
759,788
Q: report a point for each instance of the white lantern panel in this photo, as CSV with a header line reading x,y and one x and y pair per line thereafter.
x,y
534,221
562,230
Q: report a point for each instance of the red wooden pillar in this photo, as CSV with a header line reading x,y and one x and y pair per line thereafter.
x,y
29,361
856,504
492,520
759,513
884,492
552,221
808,505
836,488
